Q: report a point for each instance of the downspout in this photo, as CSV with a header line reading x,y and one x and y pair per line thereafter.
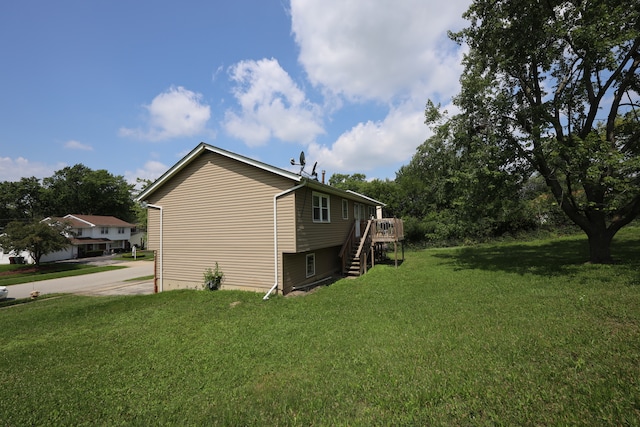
x,y
275,236
161,244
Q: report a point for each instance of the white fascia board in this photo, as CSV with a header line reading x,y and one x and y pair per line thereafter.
x,y
348,194
377,202
186,160
79,219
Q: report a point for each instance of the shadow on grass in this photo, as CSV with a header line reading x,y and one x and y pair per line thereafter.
x,y
548,259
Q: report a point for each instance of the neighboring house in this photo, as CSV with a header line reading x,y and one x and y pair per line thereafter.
x,y
89,234
92,234
267,228
138,238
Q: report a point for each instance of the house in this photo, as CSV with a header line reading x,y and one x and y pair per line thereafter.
x,y
267,228
93,235
89,235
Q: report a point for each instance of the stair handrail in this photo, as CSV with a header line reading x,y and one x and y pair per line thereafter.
x,y
363,239
363,248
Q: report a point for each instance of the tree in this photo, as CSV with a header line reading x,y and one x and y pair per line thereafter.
x,y
39,238
78,189
21,199
460,185
556,85
382,190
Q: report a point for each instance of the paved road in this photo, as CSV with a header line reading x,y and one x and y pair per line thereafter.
x,y
112,282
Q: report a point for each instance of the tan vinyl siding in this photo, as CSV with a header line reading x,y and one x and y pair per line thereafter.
x,y
153,229
295,267
313,235
219,209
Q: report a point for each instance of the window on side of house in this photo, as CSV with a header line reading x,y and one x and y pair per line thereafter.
x,y
372,211
79,232
104,230
321,208
345,209
311,265
120,230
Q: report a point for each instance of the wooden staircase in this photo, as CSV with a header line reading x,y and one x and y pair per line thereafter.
x,y
353,264
358,254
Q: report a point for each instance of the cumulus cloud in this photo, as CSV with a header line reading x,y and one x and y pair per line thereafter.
x,y
177,112
395,54
364,51
271,105
374,143
76,145
151,170
14,169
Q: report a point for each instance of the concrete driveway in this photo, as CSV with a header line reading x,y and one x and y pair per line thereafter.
x,y
114,282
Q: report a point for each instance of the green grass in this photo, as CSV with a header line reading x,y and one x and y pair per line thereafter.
x,y
52,271
141,278
140,256
506,334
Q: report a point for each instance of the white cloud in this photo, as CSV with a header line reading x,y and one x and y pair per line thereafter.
x,y
377,51
76,145
14,169
272,106
177,112
374,144
151,170
395,53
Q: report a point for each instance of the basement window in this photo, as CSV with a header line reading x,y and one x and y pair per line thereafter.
x,y
311,265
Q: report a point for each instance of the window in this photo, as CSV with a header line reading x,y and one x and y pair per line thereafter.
x,y
311,265
104,230
321,208
345,209
120,230
372,211
79,232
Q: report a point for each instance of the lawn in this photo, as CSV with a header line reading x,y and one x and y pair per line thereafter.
x,y
508,334
14,274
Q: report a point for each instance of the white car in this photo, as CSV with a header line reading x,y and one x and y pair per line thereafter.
x,y
3,292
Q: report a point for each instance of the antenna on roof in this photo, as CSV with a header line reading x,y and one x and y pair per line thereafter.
x,y
302,164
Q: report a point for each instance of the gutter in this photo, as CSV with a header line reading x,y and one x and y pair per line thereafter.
x,y
275,235
161,244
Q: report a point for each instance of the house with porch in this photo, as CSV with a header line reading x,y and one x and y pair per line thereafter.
x,y
89,235
268,229
92,235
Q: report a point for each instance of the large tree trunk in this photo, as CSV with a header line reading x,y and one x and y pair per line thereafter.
x,y
600,246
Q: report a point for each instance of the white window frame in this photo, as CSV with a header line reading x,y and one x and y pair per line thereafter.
x,y
120,230
320,208
372,211
310,257
104,230
79,232
345,209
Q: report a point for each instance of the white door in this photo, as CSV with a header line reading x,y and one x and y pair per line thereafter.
x,y
358,215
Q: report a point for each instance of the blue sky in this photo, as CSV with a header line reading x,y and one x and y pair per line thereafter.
x,y
132,86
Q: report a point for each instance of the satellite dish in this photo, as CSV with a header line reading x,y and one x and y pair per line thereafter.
x,y
302,161
293,161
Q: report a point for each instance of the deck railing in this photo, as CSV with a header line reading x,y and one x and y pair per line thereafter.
x,y
387,230
364,248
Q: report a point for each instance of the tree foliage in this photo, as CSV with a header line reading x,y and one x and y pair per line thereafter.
x,y
461,186
554,85
38,238
78,189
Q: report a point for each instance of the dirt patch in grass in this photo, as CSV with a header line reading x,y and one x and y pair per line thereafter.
x,y
30,270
